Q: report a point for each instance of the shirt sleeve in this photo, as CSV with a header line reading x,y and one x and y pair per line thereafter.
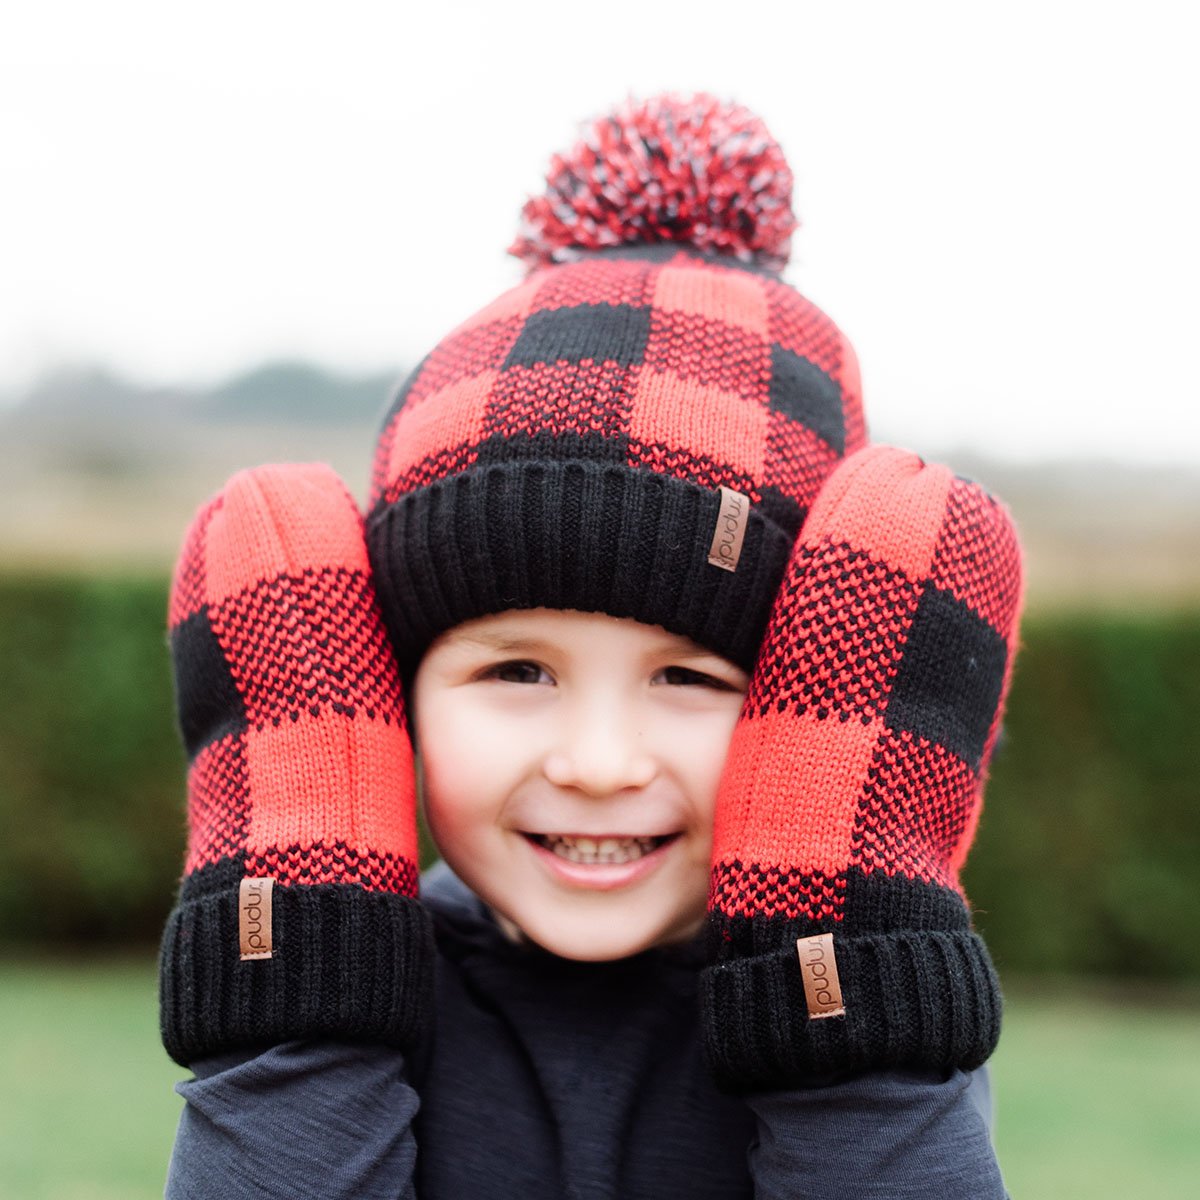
x,y
320,1119
882,1135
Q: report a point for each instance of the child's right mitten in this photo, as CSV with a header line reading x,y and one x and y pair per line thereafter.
x,y
297,915
841,937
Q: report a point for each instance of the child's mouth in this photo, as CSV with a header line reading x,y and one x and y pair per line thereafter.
x,y
612,851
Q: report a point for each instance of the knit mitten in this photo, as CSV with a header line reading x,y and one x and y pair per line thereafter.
x,y
840,936
297,913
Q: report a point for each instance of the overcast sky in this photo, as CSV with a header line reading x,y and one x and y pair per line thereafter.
x,y
999,203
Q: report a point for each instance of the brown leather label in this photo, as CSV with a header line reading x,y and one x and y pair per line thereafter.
x,y
730,530
818,969
254,918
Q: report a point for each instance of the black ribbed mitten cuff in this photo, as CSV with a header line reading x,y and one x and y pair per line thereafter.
x,y
918,999
346,963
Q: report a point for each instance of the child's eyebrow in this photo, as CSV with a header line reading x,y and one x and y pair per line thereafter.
x,y
503,642
500,641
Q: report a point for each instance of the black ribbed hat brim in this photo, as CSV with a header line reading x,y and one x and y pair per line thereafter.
x,y
595,537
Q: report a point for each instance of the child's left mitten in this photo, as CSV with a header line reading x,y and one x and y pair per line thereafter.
x,y
842,937
297,914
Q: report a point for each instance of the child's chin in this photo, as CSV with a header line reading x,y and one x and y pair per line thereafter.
x,y
594,941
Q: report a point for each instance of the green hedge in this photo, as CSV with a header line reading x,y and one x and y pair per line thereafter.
x,y
1085,859
1087,853
90,766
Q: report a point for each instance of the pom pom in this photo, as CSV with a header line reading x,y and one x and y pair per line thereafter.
x,y
693,169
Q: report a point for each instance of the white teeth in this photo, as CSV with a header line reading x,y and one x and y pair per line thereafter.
x,y
598,850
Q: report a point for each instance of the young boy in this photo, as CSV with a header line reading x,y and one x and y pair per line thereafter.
x,y
680,653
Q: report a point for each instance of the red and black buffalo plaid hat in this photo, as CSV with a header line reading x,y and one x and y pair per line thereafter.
x,y
638,428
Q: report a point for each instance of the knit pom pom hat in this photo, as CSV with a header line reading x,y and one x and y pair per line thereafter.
x,y
638,428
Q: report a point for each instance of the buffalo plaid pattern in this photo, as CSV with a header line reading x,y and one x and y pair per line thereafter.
x,y
854,779
710,373
870,718
300,771
289,699
610,398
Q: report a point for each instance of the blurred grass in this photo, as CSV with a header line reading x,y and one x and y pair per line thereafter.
x,y
86,1110
1098,1097
1093,1097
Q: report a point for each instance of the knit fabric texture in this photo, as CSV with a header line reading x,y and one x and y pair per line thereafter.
x,y
300,772
854,783
670,167
565,447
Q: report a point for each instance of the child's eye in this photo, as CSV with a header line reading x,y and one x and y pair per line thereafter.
x,y
515,672
683,677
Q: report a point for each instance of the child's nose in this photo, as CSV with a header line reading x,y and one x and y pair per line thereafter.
x,y
600,750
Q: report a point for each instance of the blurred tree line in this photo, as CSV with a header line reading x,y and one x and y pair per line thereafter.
x,y
1085,859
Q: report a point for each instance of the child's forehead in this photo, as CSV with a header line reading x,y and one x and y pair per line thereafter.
x,y
527,629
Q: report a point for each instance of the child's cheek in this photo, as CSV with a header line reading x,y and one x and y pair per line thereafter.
x,y
700,750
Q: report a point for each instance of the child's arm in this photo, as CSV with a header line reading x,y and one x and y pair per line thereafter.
x,y
323,1120
903,1134
842,941
297,915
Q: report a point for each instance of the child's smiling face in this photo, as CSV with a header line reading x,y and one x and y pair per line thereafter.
x,y
570,765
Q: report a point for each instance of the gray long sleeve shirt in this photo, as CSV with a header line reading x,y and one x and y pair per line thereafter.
x,y
546,1079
